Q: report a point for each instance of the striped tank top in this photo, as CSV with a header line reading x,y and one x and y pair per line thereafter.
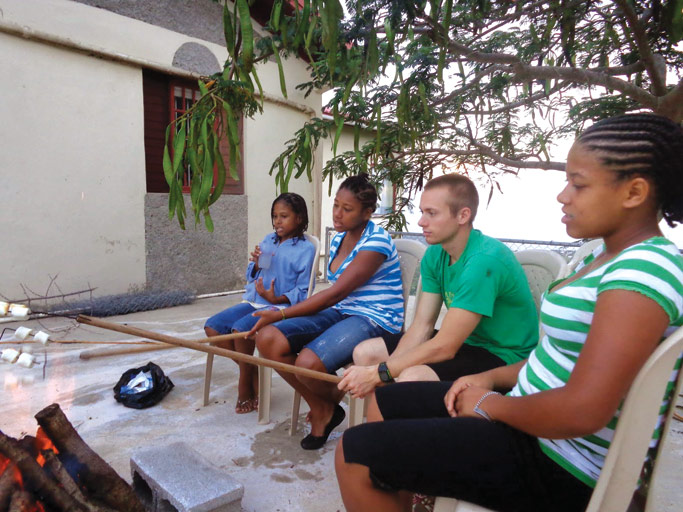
x,y
381,297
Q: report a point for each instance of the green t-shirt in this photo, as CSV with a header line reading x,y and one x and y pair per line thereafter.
x,y
488,280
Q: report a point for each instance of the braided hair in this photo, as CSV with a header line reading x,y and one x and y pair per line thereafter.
x,y
298,206
362,189
646,145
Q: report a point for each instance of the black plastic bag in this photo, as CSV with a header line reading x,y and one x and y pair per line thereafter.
x,y
142,387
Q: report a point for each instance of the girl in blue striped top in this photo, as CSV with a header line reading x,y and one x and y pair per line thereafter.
x,y
542,446
365,300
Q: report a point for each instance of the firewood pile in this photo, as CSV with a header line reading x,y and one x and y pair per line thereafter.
x,y
57,471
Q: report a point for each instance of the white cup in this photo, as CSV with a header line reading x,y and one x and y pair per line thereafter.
x,y
4,308
265,259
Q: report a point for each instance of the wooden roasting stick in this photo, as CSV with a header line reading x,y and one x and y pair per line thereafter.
x,y
119,351
237,356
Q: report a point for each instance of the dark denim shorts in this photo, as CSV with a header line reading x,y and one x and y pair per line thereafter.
x,y
331,335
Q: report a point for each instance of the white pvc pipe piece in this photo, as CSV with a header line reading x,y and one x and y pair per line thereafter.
x,y
42,337
10,355
4,308
26,360
21,333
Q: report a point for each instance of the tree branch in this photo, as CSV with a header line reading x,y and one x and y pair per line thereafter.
x,y
658,81
671,105
581,76
499,159
519,103
584,76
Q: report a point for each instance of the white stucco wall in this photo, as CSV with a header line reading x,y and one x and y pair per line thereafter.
x,y
71,190
72,154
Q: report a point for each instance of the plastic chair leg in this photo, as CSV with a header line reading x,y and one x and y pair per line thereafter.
x,y
296,403
265,379
356,411
207,378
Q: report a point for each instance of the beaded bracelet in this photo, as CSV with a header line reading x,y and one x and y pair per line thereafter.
x,y
482,412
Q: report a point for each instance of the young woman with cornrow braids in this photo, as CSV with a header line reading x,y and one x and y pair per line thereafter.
x,y
542,446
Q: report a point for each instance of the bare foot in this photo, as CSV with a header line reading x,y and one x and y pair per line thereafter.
x,y
246,406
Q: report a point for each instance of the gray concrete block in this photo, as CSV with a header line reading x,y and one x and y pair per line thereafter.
x,y
177,478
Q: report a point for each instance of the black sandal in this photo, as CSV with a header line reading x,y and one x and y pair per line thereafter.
x,y
311,442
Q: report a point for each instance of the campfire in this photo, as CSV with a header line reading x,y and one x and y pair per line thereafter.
x,y
57,471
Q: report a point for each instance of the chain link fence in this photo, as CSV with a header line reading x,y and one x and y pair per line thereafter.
x,y
565,249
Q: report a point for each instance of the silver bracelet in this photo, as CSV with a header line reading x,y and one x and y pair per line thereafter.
x,y
482,412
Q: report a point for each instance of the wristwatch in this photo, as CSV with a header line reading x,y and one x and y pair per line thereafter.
x,y
384,374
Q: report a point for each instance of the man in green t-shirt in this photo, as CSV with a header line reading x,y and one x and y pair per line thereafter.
x,y
491,319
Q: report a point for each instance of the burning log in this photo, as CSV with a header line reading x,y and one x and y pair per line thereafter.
x,y
7,485
21,502
101,481
60,474
35,478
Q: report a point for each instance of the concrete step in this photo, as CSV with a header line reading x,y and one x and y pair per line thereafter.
x,y
175,478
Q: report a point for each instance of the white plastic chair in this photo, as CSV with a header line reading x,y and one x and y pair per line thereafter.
x,y
584,250
410,254
264,374
637,420
541,269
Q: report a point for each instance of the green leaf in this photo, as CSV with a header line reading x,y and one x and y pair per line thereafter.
x,y
247,35
231,124
309,37
423,97
275,14
228,31
281,71
167,165
179,147
672,17
258,84
303,23
373,54
378,138
208,221
356,140
221,179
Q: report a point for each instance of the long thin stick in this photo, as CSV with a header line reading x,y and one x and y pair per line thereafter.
x,y
118,351
238,356
150,344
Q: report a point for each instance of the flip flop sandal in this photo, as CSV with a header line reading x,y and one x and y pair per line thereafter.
x,y
246,406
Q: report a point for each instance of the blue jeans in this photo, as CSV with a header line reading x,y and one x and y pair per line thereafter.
x,y
331,335
236,318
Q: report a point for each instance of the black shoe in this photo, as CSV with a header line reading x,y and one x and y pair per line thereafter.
x,y
311,442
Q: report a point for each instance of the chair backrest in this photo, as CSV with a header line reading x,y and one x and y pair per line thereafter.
x,y
316,261
632,437
633,434
583,251
410,254
541,269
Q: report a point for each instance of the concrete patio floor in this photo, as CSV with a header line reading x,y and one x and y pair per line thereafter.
x,y
276,473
